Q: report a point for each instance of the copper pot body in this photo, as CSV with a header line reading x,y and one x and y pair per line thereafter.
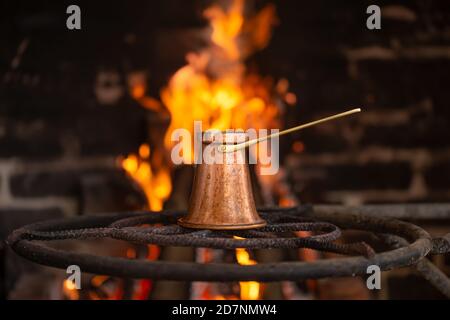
x,y
222,197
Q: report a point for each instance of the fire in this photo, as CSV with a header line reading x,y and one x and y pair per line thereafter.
x,y
70,290
155,182
227,26
101,290
215,86
249,290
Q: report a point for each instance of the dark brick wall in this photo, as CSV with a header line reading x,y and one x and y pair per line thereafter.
x,y
396,151
56,131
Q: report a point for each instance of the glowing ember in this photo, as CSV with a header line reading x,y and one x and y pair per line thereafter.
x,y
298,147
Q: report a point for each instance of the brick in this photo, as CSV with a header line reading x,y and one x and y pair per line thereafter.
x,y
113,131
437,176
312,24
441,100
316,142
41,144
102,130
321,83
372,176
403,82
329,88
110,193
394,175
57,183
426,133
310,190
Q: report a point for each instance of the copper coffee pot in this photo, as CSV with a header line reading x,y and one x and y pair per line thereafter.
x,y
222,196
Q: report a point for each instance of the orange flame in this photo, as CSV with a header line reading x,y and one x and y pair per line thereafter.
x,y
70,290
214,86
249,290
156,183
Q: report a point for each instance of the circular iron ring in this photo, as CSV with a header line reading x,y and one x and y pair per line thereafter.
x,y
22,242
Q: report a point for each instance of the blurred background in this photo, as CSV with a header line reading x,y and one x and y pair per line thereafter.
x,y
86,116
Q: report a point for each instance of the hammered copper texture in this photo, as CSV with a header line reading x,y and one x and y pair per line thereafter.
x,y
222,196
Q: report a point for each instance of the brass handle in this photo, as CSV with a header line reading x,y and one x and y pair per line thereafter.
x,y
235,147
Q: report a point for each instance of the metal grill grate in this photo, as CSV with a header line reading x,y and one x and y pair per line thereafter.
x,y
410,244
